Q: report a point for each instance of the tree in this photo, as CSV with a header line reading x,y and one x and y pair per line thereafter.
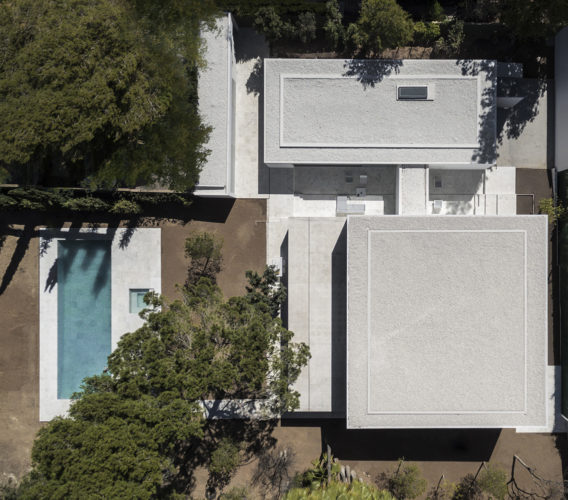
x,y
204,250
137,430
333,27
533,19
382,24
101,92
405,482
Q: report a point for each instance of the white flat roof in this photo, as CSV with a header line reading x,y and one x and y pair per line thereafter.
x,y
347,111
447,321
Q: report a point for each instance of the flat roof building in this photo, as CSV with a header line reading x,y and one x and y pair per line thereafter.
x,y
447,321
413,112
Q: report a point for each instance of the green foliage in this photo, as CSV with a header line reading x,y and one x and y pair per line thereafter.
x,y
444,490
224,461
7,203
236,493
333,27
556,211
425,34
382,24
125,207
450,44
101,91
404,482
337,491
205,251
305,27
86,204
264,289
493,482
137,430
468,489
534,19
317,475
435,11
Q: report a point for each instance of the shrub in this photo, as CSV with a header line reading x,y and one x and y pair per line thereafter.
x,y
442,491
47,199
204,250
355,490
333,27
125,207
86,204
236,493
405,482
7,202
436,11
450,44
493,481
468,489
555,211
305,27
425,34
224,461
382,24
269,23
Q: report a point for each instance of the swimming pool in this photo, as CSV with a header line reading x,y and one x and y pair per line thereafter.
x,y
83,311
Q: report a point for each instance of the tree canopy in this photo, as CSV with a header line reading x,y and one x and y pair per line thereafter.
x,y
382,24
101,92
138,430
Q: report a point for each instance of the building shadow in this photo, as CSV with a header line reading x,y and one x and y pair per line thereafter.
x,y
339,323
442,445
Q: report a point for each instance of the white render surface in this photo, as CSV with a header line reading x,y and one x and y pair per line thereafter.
x,y
316,309
561,99
447,322
136,263
217,108
332,111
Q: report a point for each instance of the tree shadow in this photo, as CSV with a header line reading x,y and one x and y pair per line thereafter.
x,y
369,72
25,236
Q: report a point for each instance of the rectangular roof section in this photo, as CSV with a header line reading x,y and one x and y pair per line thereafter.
x,y
446,321
326,111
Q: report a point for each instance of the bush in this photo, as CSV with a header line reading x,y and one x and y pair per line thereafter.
x,y
269,23
450,44
425,34
47,199
236,493
468,489
7,202
493,482
305,27
405,482
204,250
382,24
555,211
335,490
224,461
333,27
86,204
125,207
436,11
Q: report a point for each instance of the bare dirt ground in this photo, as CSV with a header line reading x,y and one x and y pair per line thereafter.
x,y
240,223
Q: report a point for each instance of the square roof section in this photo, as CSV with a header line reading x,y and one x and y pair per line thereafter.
x,y
334,111
447,321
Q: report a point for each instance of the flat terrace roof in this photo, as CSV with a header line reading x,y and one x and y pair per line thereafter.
x,y
352,111
447,321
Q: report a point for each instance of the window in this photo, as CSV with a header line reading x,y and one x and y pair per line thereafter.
x,y
413,93
137,299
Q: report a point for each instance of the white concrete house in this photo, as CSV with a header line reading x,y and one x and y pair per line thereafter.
x,y
414,318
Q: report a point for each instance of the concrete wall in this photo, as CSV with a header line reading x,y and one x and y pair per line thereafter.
x,y
561,96
216,105
316,309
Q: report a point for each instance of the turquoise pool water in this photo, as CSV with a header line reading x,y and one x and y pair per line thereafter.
x,y
83,311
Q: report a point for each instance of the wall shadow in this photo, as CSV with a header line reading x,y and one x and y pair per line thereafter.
x,y
339,323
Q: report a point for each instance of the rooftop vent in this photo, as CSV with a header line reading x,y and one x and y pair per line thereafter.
x,y
413,93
